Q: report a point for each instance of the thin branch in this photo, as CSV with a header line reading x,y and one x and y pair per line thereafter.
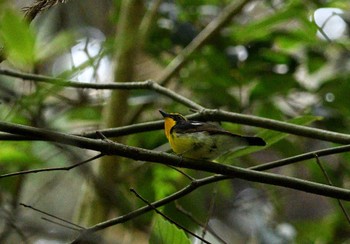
x,y
124,218
330,183
302,157
72,83
198,183
305,131
217,115
67,168
60,224
182,172
207,114
167,218
193,186
52,216
110,148
202,182
201,39
144,85
148,21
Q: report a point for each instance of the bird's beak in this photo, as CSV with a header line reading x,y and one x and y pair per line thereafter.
x,y
164,114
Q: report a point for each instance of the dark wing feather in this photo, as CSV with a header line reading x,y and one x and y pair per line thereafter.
x,y
212,129
197,126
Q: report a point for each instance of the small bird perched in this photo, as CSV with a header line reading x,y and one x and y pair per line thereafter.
x,y
202,140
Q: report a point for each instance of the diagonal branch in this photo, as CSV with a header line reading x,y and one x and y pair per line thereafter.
x,y
203,114
33,171
111,148
142,85
208,32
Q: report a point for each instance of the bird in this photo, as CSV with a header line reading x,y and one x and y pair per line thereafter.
x,y
202,140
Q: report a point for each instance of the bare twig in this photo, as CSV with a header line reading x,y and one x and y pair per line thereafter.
x,y
330,183
179,194
61,224
53,216
167,218
145,85
148,21
181,172
201,39
302,157
67,168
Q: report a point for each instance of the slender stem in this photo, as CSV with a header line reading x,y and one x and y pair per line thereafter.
x,y
52,216
144,85
51,169
206,34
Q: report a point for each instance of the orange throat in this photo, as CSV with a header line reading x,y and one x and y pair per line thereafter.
x,y
168,124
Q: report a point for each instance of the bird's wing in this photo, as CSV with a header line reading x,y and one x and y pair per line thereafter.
x,y
213,129
198,126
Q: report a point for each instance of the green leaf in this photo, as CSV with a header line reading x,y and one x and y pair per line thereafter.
x,y
165,232
271,137
18,39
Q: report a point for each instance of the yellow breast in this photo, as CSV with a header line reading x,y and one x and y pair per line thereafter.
x,y
202,145
168,124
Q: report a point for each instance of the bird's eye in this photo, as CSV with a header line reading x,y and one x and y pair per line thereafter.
x,y
176,117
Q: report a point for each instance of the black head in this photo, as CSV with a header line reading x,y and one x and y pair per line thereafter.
x,y
174,116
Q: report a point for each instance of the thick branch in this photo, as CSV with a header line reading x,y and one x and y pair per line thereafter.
x,y
218,115
110,148
204,114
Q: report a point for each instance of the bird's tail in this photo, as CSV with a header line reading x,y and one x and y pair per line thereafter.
x,y
255,141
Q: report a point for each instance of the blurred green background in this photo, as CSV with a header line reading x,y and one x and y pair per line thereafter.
x,y
276,59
